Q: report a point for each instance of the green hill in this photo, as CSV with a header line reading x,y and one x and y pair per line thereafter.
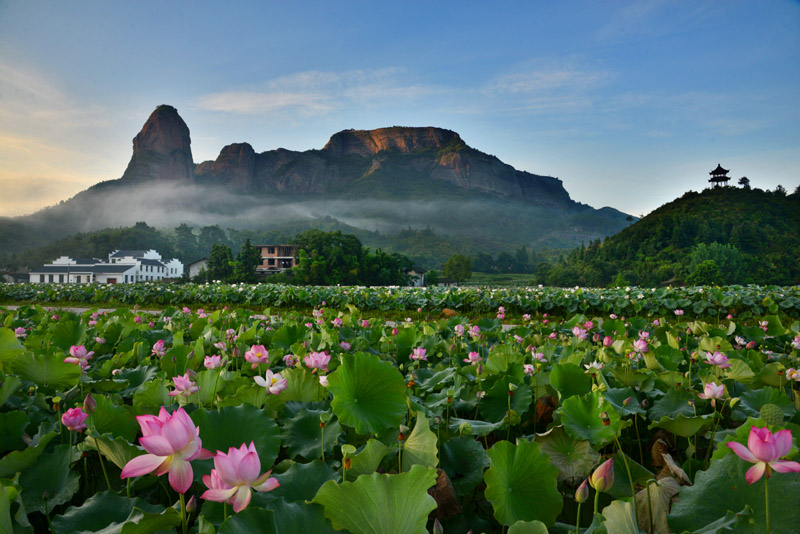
x,y
721,235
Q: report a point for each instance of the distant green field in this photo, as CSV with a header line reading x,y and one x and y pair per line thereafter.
x,y
501,279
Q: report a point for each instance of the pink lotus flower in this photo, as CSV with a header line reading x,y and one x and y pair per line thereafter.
x,y
553,335
364,323
394,331
100,340
419,354
317,360
608,341
183,386
644,334
337,322
475,331
717,358
579,332
640,345
712,391
186,310
323,380
221,345
158,348
678,312
256,355
538,356
273,382
233,476
517,338
796,343
750,345
74,419
473,358
290,360
459,330
603,477
137,320
344,345
212,362
526,317
765,450
79,356
792,374
20,332
54,317
588,325
582,493
171,441
529,369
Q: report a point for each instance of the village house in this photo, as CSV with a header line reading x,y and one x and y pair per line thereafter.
x,y
276,258
122,267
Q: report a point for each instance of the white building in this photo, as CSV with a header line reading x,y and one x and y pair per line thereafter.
x,y
122,267
196,267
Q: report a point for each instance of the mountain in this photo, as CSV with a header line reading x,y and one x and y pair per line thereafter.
x,y
381,180
720,235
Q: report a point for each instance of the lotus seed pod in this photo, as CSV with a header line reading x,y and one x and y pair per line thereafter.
x,y
772,414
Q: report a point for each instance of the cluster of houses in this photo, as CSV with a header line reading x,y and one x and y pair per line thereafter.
x,y
121,267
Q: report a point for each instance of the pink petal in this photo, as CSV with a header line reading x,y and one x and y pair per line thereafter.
x,y
218,495
742,451
155,444
761,443
177,434
755,473
783,466
203,454
180,475
242,498
783,442
260,381
141,465
226,469
268,485
249,467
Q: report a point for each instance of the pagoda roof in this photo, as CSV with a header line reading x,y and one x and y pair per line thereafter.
x,y
719,170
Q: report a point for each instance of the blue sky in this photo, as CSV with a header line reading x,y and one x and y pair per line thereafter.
x,y
629,103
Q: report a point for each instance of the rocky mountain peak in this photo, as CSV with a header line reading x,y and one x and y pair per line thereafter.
x,y
162,149
401,138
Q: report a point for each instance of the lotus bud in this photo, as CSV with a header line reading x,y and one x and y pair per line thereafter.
x,y
603,477
437,527
627,401
191,506
583,492
89,404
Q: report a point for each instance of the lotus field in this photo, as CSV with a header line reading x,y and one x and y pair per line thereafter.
x,y
234,421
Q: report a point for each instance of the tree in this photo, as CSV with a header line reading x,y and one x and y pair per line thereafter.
x,y
186,242
432,277
458,268
780,190
244,268
706,273
744,181
220,263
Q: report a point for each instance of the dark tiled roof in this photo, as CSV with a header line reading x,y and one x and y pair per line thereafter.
x,y
134,253
78,269
151,262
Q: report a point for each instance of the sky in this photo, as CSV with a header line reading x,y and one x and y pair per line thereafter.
x,y
630,103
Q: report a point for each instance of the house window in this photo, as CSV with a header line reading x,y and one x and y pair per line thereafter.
x,y
60,278
271,261
270,250
50,278
78,279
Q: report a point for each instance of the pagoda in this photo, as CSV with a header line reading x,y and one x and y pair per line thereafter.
x,y
719,176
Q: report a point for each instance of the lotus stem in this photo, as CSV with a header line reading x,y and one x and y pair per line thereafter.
x,y
322,440
578,519
638,439
105,473
649,504
596,500
183,513
766,497
630,478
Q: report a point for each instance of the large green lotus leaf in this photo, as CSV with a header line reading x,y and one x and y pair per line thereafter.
x,y
464,460
118,450
367,460
49,482
618,519
722,488
234,425
12,427
380,504
9,494
10,346
739,371
619,396
494,405
250,521
582,418
112,419
301,386
152,395
297,518
682,425
569,379
303,436
143,522
102,512
573,458
420,447
479,428
751,401
528,527
47,371
17,461
740,434
675,402
724,524
521,483
10,385
302,481
368,394
68,333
